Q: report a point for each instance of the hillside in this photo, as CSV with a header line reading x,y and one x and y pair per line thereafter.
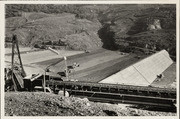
x,y
84,27
138,25
78,34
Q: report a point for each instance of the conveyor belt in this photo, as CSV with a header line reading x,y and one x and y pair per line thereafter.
x,y
117,93
18,80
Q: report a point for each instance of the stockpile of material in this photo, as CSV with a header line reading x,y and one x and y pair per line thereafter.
x,y
46,104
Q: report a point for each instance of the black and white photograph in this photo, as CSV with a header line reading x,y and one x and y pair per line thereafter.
x,y
90,59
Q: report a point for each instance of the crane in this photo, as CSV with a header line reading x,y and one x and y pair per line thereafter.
x,y
17,73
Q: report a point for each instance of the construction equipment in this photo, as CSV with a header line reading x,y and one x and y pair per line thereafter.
x,y
117,93
17,74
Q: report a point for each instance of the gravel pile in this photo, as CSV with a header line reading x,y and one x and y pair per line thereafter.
x,y
46,104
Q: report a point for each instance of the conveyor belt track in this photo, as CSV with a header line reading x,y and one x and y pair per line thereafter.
x,y
116,93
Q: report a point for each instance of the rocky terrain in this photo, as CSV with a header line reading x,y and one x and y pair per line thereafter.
x,y
138,25
46,104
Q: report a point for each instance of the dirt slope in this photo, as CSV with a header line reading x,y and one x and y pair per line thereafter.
x,y
44,104
77,34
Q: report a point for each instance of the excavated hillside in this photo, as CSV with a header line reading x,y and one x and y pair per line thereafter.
x,y
77,34
138,25
83,27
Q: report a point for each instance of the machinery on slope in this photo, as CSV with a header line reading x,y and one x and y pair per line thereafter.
x,y
114,93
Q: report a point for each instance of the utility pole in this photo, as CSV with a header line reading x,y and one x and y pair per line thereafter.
x,y
12,62
67,75
44,82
